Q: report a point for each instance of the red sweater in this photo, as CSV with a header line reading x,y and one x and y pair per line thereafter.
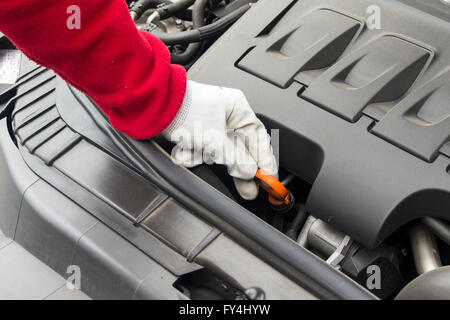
x,y
125,71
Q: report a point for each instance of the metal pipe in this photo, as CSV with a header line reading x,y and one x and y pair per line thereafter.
x,y
440,228
302,238
169,10
424,248
324,238
134,15
140,6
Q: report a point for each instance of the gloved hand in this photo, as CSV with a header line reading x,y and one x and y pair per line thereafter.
x,y
216,124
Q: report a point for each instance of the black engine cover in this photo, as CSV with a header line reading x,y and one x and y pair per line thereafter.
x,y
363,112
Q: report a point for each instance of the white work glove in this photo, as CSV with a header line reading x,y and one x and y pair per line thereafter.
x,y
216,124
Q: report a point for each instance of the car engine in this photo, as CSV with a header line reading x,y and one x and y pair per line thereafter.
x,y
363,117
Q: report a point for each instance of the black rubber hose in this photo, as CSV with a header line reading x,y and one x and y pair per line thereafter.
x,y
138,9
440,228
197,35
184,37
198,21
171,9
198,13
296,224
142,5
187,56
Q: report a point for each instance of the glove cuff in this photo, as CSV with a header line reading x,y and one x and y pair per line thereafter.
x,y
182,112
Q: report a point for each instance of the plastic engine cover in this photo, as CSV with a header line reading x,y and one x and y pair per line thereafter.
x,y
363,112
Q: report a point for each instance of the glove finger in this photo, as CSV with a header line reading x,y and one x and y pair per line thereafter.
x,y
248,189
244,121
231,152
237,159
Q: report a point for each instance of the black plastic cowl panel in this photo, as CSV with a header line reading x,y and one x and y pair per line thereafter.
x,y
369,130
64,138
95,177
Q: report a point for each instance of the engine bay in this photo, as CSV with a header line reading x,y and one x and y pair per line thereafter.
x,y
362,111
363,117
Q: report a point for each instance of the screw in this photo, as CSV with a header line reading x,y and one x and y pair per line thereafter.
x,y
179,24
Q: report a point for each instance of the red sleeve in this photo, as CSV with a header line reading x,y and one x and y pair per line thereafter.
x,y
125,71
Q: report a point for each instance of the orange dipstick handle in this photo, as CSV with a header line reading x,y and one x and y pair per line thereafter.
x,y
278,194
